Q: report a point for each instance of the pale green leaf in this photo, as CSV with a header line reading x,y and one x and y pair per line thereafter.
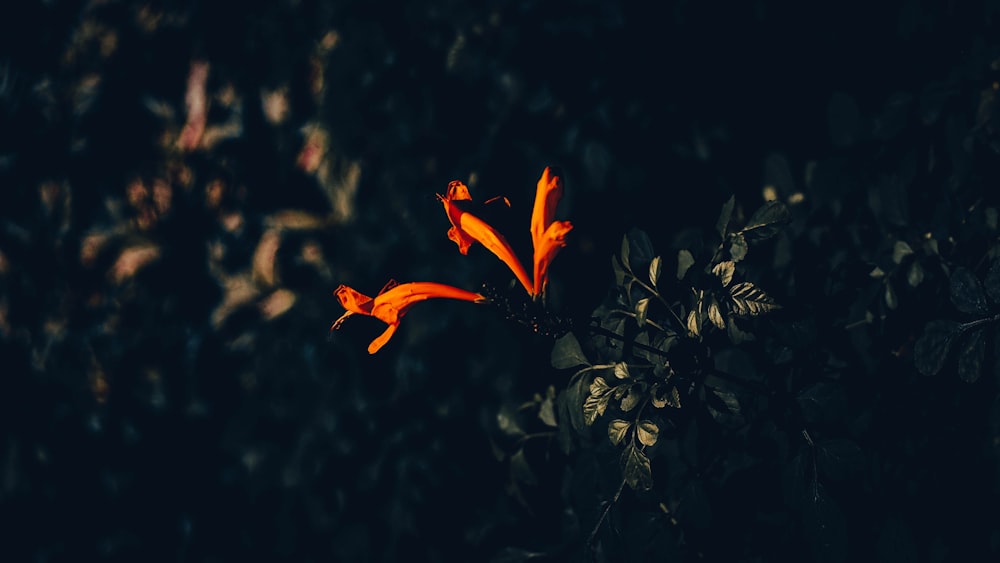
x,y
654,270
725,271
641,310
715,315
617,429
631,400
694,323
915,275
738,247
547,412
637,471
749,300
890,297
722,224
621,370
684,261
625,253
647,432
900,250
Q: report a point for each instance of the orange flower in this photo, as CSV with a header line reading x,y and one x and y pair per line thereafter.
x,y
547,236
466,228
393,302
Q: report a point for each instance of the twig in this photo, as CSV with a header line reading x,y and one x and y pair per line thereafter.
x,y
600,521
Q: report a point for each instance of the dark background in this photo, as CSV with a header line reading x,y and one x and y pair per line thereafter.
x,y
142,419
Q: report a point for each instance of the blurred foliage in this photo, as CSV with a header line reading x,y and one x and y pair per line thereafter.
x,y
810,374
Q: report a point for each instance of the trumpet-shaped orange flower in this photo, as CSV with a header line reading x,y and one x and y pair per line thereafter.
x,y
393,302
547,236
466,228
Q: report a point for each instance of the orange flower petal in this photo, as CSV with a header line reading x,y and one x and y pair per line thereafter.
x,y
353,300
551,242
459,237
467,228
457,191
382,339
547,236
393,302
548,191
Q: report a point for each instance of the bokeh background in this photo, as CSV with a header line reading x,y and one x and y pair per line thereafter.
x,y
170,391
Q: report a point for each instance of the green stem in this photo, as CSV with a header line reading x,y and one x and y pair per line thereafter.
x,y
653,291
600,521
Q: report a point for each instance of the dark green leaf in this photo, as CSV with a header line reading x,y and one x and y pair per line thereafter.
x,y
766,221
890,297
693,447
657,341
725,408
971,354
794,481
637,471
931,349
915,275
992,281
736,362
616,267
547,412
722,224
684,261
611,351
736,335
567,407
822,402
520,471
635,394
896,543
844,119
932,99
570,402
516,555
894,115
640,249
778,174
566,353
694,508
625,253
728,400
738,247
966,293
900,250
507,421
996,369
825,527
840,458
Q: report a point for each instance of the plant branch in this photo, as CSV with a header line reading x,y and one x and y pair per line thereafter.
x,y
600,521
